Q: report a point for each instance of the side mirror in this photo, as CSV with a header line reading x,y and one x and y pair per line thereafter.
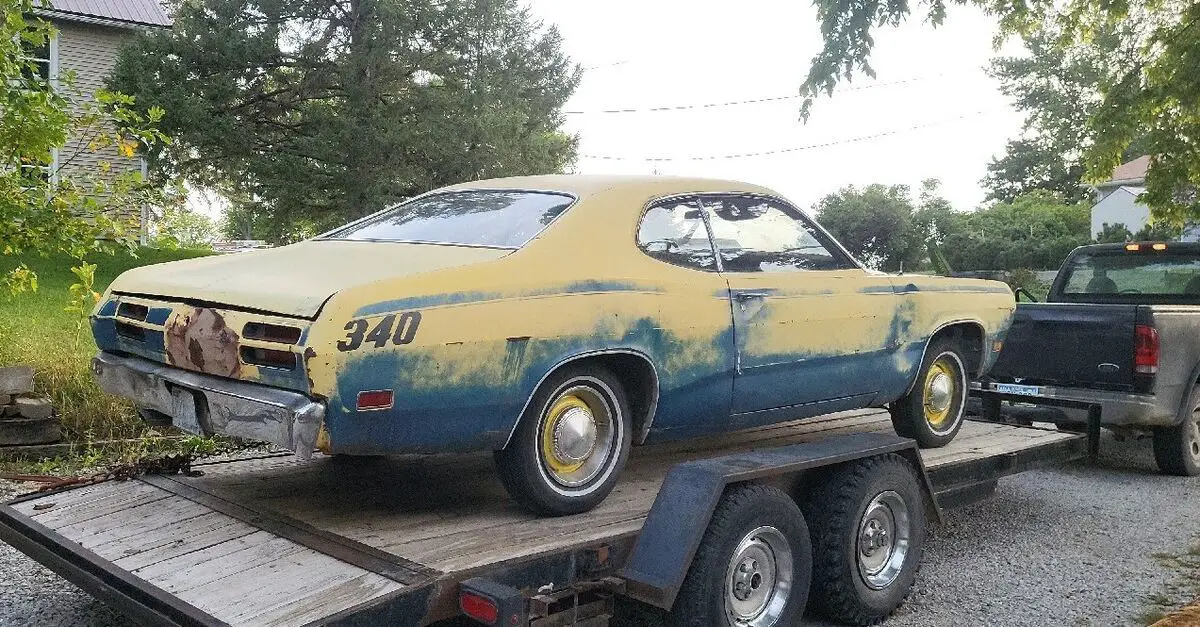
x,y
1022,291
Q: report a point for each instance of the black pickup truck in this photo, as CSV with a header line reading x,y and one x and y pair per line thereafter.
x,y
1120,329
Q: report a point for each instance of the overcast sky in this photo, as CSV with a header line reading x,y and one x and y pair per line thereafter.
x,y
663,53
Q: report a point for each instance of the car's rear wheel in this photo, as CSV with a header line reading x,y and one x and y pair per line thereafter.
x,y
571,443
932,412
1177,449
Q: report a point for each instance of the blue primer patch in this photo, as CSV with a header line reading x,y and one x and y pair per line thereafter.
x,y
459,298
109,308
469,413
158,315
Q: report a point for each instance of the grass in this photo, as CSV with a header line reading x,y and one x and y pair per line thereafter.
x,y
36,330
1183,588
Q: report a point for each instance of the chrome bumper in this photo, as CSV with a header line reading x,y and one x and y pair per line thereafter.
x,y
207,405
1121,409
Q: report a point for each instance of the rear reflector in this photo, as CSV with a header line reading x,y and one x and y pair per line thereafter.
x,y
479,607
375,399
1146,349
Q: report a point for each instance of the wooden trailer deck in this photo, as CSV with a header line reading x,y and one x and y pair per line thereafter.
x,y
279,541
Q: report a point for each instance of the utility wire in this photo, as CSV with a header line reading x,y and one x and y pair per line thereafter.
x,y
734,103
764,153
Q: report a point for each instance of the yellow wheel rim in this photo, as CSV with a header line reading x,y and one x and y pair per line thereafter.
x,y
550,452
941,383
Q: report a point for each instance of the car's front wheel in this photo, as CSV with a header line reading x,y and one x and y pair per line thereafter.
x,y
570,444
932,412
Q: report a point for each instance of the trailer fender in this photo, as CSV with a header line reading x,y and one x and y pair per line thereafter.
x,y
681,513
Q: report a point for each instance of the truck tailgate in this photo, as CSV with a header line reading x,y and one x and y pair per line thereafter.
x,y
1073,344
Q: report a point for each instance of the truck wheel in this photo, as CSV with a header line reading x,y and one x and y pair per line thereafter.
x,y
570,444
753,567
932,412
1177,449
868,531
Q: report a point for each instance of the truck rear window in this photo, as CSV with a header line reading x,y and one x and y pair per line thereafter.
x,y
493,218
1158,273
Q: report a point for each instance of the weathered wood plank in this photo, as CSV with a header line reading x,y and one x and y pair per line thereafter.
x,y
225,531
138,520
254,552
101,500
319,603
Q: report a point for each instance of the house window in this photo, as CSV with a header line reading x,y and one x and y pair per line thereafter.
x,y
42,64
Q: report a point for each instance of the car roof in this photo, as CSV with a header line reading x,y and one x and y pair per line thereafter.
x,y
584,186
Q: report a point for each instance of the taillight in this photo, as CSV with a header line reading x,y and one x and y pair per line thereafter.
x,y
1146,349
479,607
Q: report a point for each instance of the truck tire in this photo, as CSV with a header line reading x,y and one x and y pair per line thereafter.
x,y
932,412
1177,449
571,443
868,530
753,567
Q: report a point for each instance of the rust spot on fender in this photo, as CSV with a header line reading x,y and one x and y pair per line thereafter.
x,y
198,339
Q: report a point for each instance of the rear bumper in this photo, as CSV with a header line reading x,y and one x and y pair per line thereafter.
x,y
1117,409
207,405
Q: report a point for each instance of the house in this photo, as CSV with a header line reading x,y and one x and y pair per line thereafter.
x,y
89,35
1117,203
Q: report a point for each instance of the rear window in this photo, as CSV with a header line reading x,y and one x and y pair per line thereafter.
x,y
494,218
1133,274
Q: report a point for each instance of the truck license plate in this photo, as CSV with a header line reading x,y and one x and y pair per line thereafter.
x,y
1013,388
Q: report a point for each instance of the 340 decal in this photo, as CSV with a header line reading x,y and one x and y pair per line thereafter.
x,y
405,330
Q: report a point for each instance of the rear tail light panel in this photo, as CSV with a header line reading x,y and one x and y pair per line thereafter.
x,y
1146,349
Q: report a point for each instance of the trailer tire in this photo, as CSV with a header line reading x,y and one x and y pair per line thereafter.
x,y
727,584
1177,449
860,574
932,412
570,444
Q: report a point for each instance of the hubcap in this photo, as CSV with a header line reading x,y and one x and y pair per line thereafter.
x,y
758,581
941,387
577,435
883,540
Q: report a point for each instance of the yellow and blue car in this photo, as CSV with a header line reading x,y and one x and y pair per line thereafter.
x,y
555,320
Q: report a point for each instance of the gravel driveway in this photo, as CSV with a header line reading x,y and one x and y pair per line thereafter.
x,y
1077,545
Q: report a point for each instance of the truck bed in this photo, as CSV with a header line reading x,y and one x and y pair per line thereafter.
x,y
279,541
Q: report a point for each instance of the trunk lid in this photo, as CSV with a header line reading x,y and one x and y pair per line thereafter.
x,y
1070,344
293,280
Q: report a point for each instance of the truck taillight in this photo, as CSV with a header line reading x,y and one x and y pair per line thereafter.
x,y
1145,351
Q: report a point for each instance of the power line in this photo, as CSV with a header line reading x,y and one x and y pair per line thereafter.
x,y
765,153
734,103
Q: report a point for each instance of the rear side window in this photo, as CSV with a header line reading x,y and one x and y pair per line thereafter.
x,y
674,232
493,218
764,235
1123,273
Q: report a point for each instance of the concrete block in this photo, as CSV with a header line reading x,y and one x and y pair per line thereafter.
x,y
16,380
34,408
23,431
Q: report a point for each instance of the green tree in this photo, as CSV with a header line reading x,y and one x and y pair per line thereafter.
x,y
875,223
73,211
1113,233
179,227
313,112
1035,230
1151,93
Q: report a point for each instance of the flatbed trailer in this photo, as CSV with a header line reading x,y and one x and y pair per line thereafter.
x,y
274,540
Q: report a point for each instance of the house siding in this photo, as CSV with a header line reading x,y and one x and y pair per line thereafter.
x,y
90,51
1120,207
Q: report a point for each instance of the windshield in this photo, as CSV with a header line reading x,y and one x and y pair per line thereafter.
x,y
494,218
1124,275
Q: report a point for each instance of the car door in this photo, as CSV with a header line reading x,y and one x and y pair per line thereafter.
x,y
692,332
813,330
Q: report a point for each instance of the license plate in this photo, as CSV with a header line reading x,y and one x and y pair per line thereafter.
x,y
1013,388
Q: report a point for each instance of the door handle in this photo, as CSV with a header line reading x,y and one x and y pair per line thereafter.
x,y
744,296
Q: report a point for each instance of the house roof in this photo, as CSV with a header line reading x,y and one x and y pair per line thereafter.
x,y
132,12
1131,172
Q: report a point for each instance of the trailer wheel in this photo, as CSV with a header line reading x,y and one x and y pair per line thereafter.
x,y
570,444
932,412
1177,449
753,567
868,530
